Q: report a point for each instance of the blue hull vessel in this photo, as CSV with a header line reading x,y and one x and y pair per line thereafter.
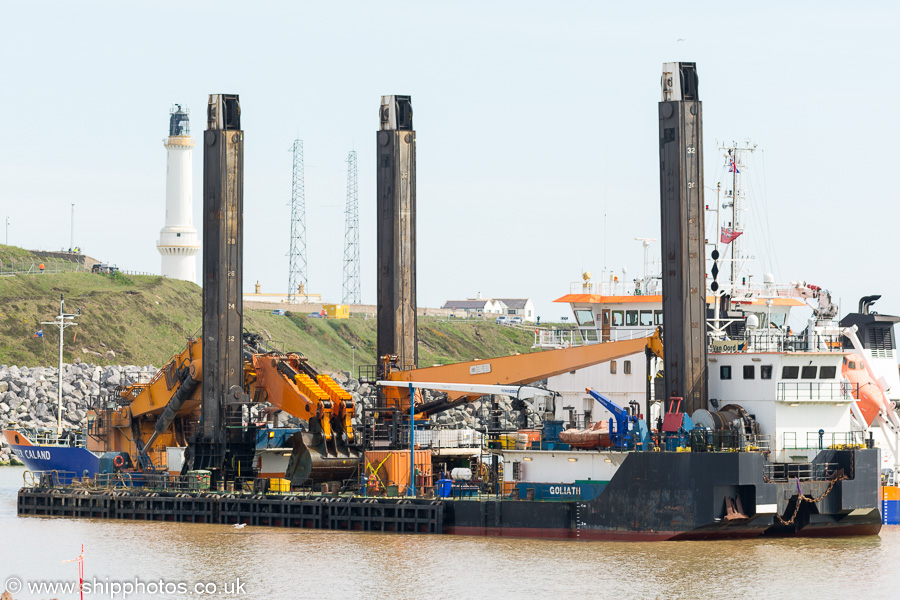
x,y
67,460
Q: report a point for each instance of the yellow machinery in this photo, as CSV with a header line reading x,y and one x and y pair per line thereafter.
x,y
149,417
327,451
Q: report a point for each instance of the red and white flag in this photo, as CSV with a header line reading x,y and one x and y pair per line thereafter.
x,y
729,235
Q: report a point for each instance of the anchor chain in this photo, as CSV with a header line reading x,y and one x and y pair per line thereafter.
x,y
839,476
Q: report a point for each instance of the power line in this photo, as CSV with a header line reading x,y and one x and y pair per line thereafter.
x,y
297,283
351,293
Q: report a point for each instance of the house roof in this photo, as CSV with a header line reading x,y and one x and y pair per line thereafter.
x,y
464,304
515,303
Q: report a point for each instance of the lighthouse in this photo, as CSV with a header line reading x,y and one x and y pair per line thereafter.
x,y
178,243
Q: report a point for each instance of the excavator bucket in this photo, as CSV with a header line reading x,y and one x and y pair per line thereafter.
x,y
315,460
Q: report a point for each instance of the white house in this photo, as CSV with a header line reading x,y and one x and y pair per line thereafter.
x,y
519,307
477,307
480,307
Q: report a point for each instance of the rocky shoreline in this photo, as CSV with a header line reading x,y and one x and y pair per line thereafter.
x,y
28,399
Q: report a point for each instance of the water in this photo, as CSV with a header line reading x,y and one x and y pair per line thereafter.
x,y
290,564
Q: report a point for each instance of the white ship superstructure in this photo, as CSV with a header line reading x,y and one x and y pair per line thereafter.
x,y
789,377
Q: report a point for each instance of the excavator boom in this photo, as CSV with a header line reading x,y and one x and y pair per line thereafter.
x,y
522,369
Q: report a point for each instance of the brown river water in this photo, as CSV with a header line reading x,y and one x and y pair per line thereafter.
x,y
218,561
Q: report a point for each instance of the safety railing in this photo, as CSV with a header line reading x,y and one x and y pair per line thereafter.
x,y
32,266
800,471
777,341
50,437
449,438
813,440
565,338
815,391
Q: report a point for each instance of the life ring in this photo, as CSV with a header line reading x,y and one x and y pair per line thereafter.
x,y
118,461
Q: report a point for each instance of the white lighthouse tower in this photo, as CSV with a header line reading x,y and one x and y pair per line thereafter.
x,y
178,242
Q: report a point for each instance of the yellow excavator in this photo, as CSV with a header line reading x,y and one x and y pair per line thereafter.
x,y
328,450
147,421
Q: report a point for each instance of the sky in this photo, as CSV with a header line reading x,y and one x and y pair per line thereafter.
x,y
536,132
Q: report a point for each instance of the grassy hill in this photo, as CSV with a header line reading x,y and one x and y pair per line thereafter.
x,y
144,320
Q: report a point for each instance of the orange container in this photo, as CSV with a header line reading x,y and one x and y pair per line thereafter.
x,y
392,467
534,435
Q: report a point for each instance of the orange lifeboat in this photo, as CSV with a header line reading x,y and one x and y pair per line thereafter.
x,y
869,397
596,436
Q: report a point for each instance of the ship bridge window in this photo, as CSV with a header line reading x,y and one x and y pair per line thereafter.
x,y
628,367
777,319
809,372
827,372
725,372
584,317
612,367
749,372
646,318
765,372
631,318
618,318
657,317
790,372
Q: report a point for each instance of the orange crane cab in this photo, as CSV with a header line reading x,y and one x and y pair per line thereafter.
x,y
869,397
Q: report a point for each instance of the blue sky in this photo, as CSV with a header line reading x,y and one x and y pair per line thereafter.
x,y
533,120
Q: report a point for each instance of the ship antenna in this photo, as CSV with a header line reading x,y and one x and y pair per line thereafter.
x,y
62,321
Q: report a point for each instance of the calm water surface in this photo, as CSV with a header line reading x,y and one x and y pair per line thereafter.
x,y
276,563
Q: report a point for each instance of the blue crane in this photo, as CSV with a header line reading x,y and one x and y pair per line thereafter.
x,y
629,431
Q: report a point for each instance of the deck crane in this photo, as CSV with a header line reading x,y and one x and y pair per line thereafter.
x,y
630,431
519,369
466,381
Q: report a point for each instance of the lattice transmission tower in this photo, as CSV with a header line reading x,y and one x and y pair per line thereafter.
x,y
297,283
351,293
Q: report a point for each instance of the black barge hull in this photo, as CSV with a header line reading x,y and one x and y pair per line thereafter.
x,y
652,497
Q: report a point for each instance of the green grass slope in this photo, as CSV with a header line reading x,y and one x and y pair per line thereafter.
x,y
144,320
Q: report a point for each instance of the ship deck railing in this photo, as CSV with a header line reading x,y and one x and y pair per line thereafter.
x,y
813,440
820,471
776,340
588,336
815,391
49,437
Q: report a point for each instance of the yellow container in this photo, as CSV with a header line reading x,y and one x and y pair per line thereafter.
x,y
280,486
508,442
337,311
